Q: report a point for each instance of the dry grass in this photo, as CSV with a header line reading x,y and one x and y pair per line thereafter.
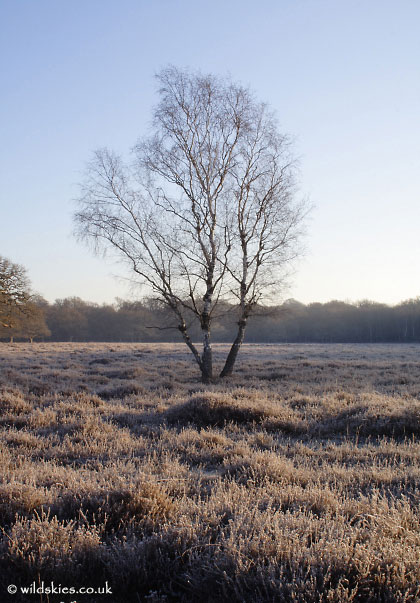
x,y
298,480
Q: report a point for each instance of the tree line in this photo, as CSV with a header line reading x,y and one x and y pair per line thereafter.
x,y
73,319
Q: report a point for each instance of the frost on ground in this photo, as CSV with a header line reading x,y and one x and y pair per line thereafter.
x,y
297,480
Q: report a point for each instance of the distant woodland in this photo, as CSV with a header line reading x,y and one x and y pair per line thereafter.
x,y
73,319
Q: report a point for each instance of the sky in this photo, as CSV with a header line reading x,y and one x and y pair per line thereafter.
x,y
343,77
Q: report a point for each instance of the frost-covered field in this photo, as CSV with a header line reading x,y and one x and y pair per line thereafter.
x,y
297,480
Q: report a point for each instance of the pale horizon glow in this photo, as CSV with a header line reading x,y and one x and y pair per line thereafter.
x,y
344,79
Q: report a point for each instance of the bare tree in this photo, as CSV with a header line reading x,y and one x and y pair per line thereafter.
x,y
206,212
14,293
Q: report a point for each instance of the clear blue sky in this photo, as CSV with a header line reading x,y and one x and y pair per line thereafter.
x,y
343,76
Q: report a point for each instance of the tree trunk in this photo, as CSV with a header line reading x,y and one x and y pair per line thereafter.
x,y
207,355
233,353
207,359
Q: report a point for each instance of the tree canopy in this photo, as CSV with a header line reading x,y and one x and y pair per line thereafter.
x,y
14,292
21,313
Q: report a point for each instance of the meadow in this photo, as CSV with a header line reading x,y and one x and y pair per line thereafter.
x,y
296,480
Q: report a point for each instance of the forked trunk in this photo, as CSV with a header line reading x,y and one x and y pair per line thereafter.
x,y
234,350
